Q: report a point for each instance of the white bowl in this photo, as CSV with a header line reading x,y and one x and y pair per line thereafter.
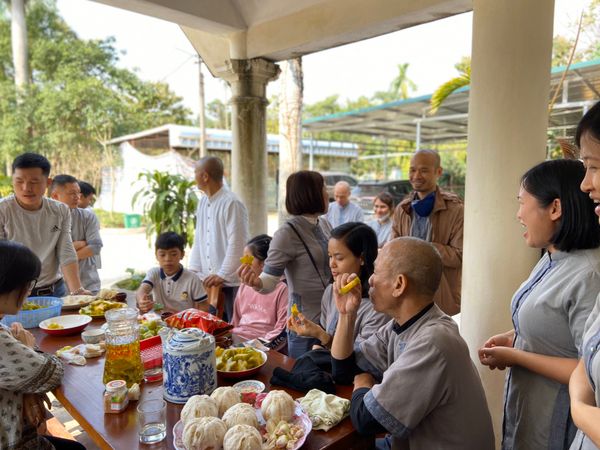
x,y
71,324
93,336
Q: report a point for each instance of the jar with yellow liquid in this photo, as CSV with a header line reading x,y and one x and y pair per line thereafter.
x,y
123,358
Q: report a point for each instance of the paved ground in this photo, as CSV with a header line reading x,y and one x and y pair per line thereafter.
x,y
123,249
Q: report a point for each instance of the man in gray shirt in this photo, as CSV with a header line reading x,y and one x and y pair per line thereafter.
x,y
85,230
342,210
413,378
42,224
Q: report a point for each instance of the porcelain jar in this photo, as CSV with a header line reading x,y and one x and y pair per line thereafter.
x,y
189,364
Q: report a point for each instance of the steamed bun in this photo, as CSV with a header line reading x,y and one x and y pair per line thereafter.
x,y
205,433
240,414
199,406
225,397
242,437
278,405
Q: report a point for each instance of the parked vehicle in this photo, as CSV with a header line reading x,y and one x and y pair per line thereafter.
x,y
331,178
365,192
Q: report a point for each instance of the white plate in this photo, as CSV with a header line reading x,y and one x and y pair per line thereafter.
x,y
76,301
68,323
300,418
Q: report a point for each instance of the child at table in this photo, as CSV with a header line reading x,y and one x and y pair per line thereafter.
x,y
170,286
256,315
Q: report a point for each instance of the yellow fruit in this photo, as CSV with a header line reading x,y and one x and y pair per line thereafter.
x,y
247,259
294,310
345,289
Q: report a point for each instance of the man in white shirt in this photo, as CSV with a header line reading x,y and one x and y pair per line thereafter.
x,y
342,210
221,232
42,224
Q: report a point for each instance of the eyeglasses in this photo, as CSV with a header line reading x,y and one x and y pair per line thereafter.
x,y
32,284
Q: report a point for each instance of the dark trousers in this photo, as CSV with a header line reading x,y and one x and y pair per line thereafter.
x,y
229,292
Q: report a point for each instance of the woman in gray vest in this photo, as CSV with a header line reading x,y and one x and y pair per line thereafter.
x,y
550,308
299,249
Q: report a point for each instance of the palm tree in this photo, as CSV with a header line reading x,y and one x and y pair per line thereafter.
x,y
449,87
401,84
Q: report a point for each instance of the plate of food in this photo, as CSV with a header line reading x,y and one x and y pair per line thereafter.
x,y
279,419
97,308
71,302
65,325
239,362
112,294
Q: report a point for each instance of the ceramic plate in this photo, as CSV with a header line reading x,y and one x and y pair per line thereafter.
x,y
71,302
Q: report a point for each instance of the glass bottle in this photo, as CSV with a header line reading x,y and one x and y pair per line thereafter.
x,y
123,358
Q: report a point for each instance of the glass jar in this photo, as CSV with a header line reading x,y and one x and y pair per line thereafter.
x,y
115,396
123,358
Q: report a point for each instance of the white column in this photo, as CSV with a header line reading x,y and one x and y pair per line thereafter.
x,y
510,86
248,79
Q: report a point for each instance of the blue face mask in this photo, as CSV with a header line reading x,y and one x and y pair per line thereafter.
x,y
423,207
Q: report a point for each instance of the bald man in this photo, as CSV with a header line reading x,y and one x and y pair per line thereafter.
x,y
413,378
435,216
221,232
342,210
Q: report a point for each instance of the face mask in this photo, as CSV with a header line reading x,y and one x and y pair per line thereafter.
x,y
424,206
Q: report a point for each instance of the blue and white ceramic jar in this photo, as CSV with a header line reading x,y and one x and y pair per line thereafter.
x,y
189,364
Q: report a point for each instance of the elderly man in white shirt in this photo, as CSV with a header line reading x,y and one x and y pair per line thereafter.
x,y
342,210
221,232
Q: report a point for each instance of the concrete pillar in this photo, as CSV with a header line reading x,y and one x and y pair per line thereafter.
x,y
248,79
510,86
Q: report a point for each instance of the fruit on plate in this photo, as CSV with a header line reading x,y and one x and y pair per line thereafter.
x,y
55,326
150,328
30,306
99,307
237,359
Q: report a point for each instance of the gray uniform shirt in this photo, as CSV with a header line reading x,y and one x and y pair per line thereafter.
x,y
430,395
368,321
85,227
336,215
287,254
382,229
591,348
549,313
47,232
177,292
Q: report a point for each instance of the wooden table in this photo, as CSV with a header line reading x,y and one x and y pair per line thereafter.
x,y
82,389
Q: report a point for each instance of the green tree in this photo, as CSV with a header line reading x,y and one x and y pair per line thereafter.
x,y
463,79
169,204
77,99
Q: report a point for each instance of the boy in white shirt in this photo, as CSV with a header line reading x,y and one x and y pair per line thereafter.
x,y
170,285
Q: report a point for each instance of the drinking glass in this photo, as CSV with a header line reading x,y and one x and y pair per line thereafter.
x,y
152,416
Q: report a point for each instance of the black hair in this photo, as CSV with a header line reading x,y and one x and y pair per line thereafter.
x,y
32,160
18,266
560,179
259,246
361,240
168,240
589,123
86,188
304,193
61,180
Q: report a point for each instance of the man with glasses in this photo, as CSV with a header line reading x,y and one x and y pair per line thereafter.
x,y
42,224
85,230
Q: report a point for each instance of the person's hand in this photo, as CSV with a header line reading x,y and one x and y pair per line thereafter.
x,y
499,340
304,327
498,357
34,410
146,303
249,277
22,335
364,380
347,303
213,280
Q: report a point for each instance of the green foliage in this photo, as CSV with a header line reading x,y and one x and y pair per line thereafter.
x,y
110,219
169,204
133,282
449,87
5,186
78,97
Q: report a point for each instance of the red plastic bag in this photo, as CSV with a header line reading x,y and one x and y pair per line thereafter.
x,y
193,318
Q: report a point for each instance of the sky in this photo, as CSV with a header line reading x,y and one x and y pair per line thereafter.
x,y
159,51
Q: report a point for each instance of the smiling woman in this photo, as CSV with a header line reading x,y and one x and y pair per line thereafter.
x,y
550,308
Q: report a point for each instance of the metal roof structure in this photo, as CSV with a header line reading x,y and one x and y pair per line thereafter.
x,y
411,119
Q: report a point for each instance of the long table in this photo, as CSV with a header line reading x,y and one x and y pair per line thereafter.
x,y
82,389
